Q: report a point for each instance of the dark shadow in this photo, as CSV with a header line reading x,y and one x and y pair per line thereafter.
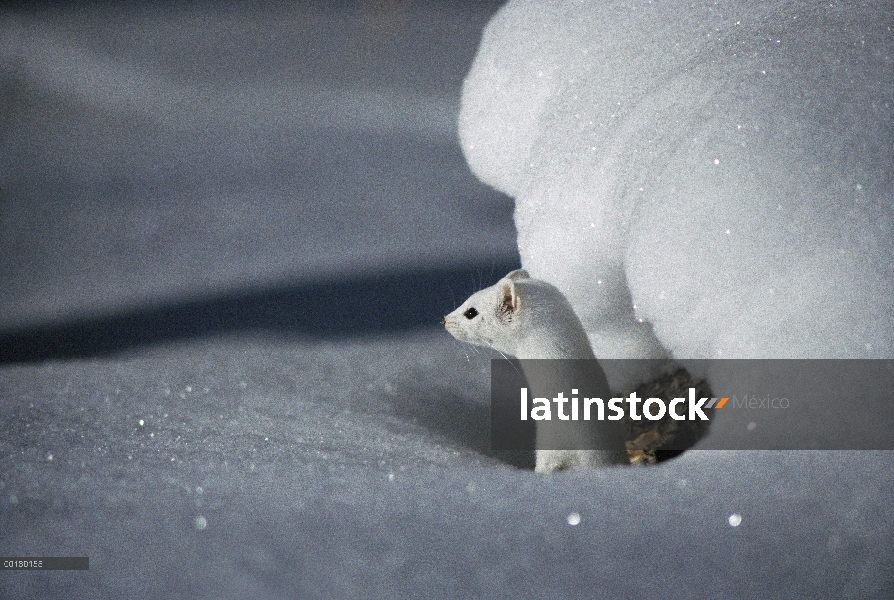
x,y
650,442
349,307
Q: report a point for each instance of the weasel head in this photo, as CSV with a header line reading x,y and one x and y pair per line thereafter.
x,y
490,317
521,316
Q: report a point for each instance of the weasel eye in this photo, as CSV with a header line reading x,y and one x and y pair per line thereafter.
x,y
470,314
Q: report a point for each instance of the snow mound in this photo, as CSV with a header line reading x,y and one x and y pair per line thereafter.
x,y
705,181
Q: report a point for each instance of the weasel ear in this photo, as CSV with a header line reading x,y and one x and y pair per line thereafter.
x,y
518,274
510,298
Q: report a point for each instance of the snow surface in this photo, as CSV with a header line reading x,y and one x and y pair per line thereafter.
x,y
233,148
198,203
357,469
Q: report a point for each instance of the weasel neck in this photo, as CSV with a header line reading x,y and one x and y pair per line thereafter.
x,y
555,345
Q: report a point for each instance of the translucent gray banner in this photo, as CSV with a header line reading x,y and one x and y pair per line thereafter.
x,y
703,404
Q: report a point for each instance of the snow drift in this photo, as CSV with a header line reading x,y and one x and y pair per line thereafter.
x,y
710,181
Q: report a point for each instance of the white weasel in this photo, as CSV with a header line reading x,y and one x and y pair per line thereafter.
x,y
531,319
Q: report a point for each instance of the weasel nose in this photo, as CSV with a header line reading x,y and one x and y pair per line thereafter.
x,y
444,321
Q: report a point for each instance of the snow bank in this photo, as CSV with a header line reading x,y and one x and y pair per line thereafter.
x,y
705,181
